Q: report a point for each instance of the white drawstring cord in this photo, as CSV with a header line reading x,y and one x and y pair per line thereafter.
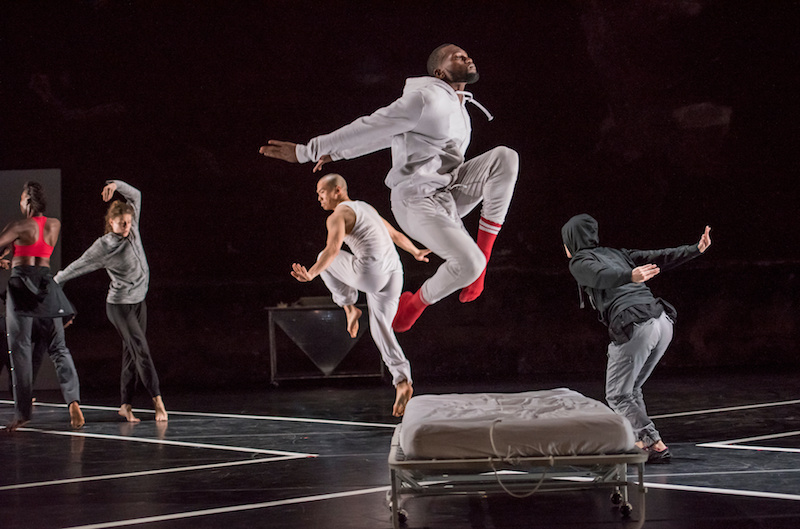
x,y
469,98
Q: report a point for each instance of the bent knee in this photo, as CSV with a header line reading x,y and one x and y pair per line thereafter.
x,y
508,158
470,265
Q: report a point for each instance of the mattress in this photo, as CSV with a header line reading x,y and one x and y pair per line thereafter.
x,y
556,422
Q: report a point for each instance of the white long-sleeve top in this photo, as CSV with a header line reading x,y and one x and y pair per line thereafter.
x,y
428,129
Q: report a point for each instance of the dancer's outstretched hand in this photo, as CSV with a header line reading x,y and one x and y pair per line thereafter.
x,y
705,240
282,150
643,273
300,273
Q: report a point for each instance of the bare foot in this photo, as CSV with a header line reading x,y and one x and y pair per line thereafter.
x,y
353,313
161,429
16,423
161,411
404,392
76,420
127,411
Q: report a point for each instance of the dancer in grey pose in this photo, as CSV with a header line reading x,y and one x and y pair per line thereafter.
x,y
121,253
639,324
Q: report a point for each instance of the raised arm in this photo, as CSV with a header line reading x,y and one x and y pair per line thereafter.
x,y
132,196
401,241
336,233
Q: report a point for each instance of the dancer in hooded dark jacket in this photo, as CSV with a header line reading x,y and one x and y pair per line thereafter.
x,y
639,324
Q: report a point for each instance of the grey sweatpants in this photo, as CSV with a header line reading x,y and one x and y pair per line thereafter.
x,y
629,366
20,332
435,221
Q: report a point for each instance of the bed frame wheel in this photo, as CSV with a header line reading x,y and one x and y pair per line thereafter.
x,y
616,497
402,517
626,509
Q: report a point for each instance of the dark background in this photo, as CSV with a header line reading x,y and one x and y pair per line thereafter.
x,y
657,117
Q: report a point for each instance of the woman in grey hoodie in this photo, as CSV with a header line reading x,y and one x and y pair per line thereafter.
x,y
121,253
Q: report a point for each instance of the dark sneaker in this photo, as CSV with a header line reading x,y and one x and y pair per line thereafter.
x,y
656,457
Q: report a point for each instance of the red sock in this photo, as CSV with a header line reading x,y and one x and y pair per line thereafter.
x,y
487,234
408,310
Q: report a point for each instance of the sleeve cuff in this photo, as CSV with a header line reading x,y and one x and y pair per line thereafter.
x,y
301,151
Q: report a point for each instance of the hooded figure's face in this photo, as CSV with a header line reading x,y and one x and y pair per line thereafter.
x,y
580,233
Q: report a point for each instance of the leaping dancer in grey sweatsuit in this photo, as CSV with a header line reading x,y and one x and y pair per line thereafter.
x,y
433,186
121,253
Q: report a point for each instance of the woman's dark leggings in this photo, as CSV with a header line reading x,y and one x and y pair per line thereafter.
x,y
137,364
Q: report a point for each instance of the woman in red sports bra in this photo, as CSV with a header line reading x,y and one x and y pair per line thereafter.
x,y
32,294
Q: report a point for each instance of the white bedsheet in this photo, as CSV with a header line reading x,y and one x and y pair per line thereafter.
x,y
535,423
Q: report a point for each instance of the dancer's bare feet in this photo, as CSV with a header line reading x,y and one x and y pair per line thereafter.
x,y
353,313
126,410
161,411
161,429
76,420
16,423
404,392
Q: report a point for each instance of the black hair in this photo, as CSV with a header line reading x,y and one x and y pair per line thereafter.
x,y
435,58
36,202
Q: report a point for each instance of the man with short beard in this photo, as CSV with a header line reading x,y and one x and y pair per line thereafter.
x,y
432,186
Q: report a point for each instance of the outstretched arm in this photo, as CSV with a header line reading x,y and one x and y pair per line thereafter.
x,y
401,241
670,258
365,135
93,258
336,233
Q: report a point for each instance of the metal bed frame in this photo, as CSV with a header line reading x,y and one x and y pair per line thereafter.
x,y
519,477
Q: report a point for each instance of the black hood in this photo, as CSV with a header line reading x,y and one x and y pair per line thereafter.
x,y
580,233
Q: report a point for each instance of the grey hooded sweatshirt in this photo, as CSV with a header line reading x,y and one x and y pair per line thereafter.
x,y
122,257
604,274
428,129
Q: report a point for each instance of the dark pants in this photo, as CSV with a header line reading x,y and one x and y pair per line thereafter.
x,y
137,364
39,350
20,342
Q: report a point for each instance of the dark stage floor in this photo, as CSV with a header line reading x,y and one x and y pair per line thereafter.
x,y
312,456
